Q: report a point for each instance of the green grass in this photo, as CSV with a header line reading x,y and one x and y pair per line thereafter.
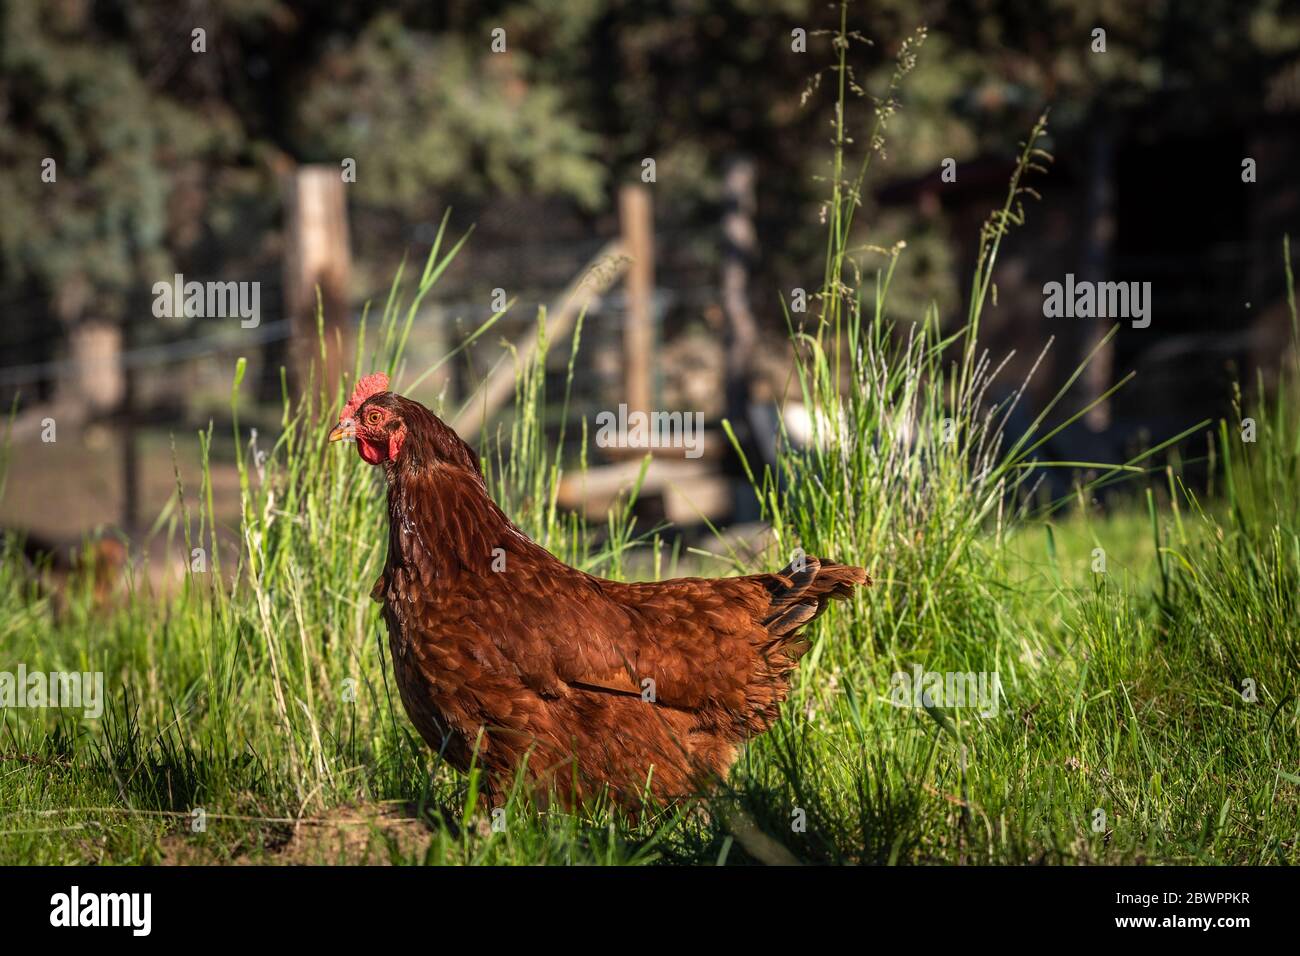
x,y
260,692
1110,703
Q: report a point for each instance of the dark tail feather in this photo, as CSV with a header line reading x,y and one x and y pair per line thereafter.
x,y
800,595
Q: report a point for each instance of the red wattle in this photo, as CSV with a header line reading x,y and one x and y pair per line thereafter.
x,y
395,443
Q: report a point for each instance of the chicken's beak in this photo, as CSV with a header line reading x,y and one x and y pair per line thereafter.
x,y
343,431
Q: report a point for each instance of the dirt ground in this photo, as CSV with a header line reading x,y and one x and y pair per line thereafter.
x,y
374,835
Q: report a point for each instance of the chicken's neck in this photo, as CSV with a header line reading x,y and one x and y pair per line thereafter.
x,y
442,518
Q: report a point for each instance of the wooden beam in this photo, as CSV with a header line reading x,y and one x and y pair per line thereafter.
x,y
593,281
687,488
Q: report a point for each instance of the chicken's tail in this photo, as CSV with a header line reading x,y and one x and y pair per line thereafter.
x,y
801,591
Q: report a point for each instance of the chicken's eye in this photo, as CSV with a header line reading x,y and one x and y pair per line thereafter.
x,y
374,417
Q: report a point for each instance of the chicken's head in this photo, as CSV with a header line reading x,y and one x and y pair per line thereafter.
x,y
373,418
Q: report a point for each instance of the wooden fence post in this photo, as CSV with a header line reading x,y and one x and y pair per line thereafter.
x,y
317,254
739,254
1099,237
636,215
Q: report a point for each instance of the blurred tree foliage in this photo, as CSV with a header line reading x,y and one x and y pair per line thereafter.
x,y
168,158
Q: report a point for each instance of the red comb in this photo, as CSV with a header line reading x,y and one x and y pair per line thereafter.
x,y
370,385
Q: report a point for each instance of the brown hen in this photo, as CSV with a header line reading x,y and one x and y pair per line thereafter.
x,y
501,650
